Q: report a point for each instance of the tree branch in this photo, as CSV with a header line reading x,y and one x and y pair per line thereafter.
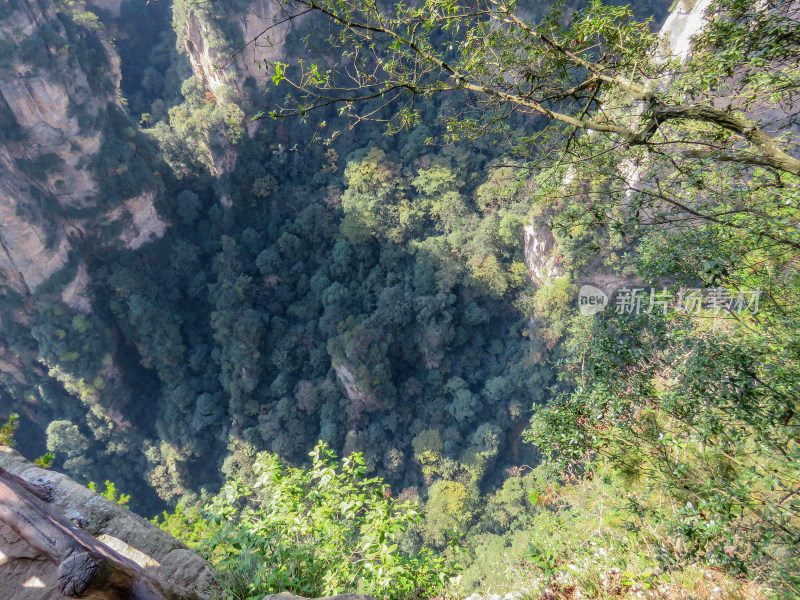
x,y
656,113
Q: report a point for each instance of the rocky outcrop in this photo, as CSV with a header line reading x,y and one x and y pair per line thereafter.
x,y
361,399
26,256
75,294
141,221
37,104
207,63
26,575
686,20
262,46
263,31
225,50
51,108
11,365
538,247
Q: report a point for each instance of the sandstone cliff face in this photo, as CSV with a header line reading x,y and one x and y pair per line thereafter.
x,y
539,246
48,100
264,46
686,19
37,103
225,50
357,395
214,65
74,295
141,220
26,575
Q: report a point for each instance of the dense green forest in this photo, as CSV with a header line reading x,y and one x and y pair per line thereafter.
x,y
355,277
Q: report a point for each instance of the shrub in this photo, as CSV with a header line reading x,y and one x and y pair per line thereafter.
x,y
322,531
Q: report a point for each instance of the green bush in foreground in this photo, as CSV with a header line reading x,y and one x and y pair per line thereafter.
x,y
322,531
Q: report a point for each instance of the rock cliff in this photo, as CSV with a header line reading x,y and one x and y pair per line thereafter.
x,y
228,50
59,78
539,244
76,178
360,398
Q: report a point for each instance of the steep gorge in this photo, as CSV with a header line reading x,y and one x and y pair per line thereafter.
x,y
76,180
255,322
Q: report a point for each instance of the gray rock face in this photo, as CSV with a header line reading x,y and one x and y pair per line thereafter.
x,y
38,100
686,19
214,68
356,394
539,246
25,575
41,99
264,28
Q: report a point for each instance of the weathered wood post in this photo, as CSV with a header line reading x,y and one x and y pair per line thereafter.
x,y
86,567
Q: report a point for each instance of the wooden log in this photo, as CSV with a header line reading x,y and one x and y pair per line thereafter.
x,y
40,491
86,568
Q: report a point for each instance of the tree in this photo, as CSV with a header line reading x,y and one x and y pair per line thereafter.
x,y
7,430
188,206
580,90
64,436
687,160
428,446
448,510
597,72
464,405
371,200
698,405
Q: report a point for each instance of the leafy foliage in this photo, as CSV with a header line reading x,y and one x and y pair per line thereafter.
x,y
699,406
7,430
111,493
378,298
46,460
320,531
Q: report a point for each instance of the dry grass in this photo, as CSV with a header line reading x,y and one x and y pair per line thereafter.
x,y
693,583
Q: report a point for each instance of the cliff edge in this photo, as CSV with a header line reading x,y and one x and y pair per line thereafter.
x,y
26,575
